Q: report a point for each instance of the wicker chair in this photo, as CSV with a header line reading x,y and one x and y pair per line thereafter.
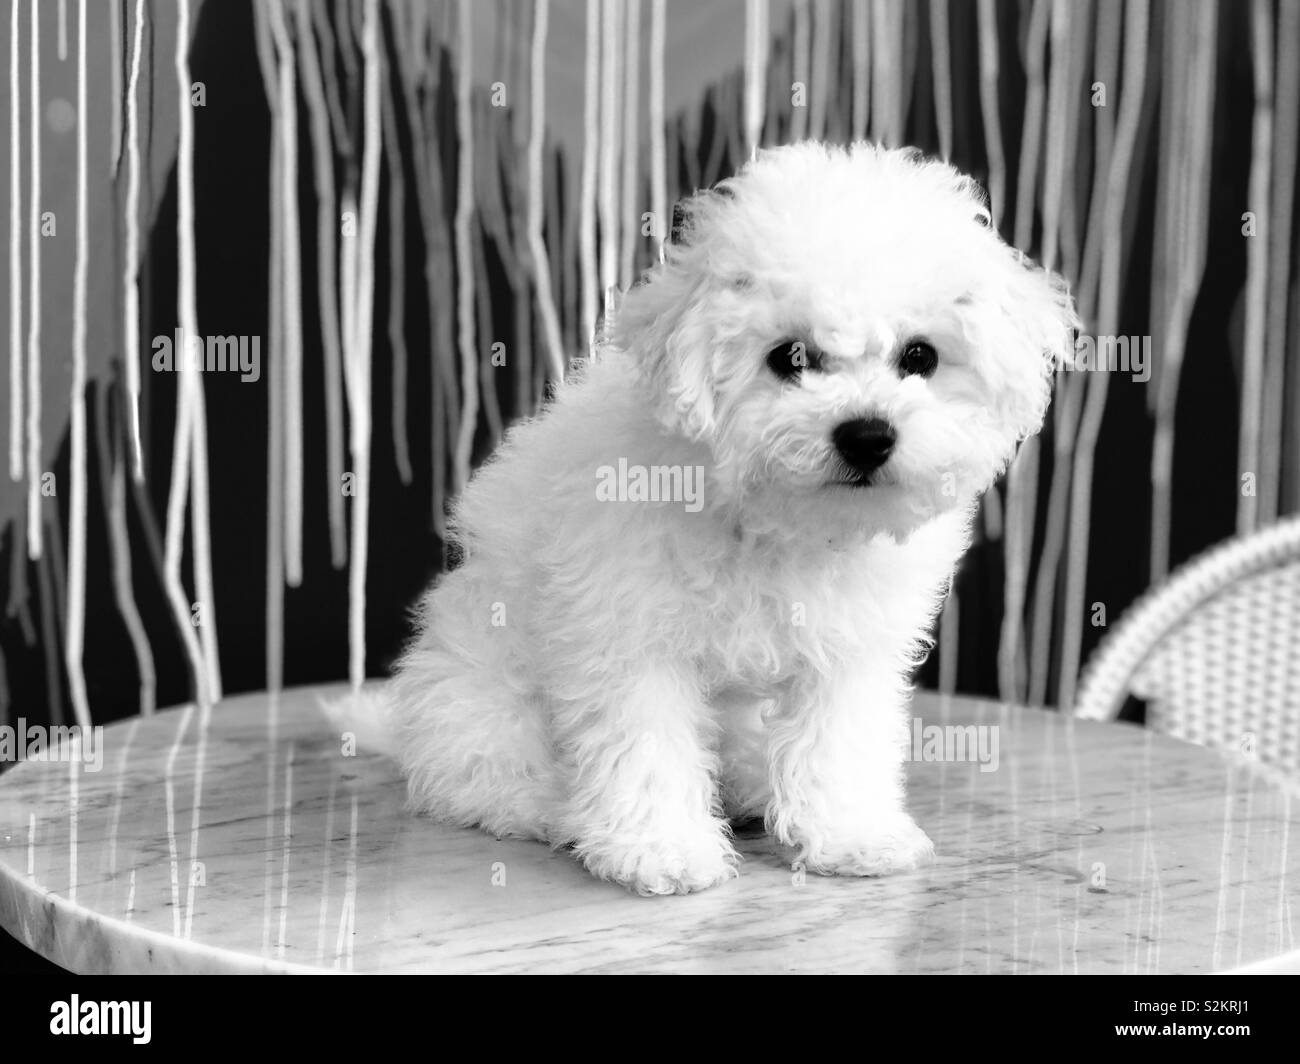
x,y
1214,651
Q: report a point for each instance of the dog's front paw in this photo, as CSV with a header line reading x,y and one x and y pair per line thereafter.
x,y
674,865
897,846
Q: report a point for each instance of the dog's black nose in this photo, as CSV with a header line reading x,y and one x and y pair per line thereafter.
x,y
865,443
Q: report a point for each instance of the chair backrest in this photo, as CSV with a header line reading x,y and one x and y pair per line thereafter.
x,y
1214,651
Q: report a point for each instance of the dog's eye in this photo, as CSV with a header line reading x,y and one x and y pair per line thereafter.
x,y
919,360
789,359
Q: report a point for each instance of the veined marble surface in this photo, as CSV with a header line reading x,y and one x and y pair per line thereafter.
x,y
244,840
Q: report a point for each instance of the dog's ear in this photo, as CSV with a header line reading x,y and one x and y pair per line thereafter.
x,y
663,321
661,325
694,213
1026,324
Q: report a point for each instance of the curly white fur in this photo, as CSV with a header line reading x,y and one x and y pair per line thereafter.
x,y
621,677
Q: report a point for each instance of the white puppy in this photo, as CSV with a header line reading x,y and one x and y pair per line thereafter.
x,y
696,587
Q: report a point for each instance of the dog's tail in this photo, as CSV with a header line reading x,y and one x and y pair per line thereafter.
x,y
366,716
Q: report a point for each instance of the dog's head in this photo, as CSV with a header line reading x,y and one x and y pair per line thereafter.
x,y
849,335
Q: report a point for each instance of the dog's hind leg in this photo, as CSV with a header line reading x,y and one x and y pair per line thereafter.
x,y
473,747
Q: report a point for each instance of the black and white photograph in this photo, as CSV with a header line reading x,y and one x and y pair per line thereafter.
x,y
590,487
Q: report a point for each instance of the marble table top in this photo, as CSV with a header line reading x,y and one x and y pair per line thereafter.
x,y
245,839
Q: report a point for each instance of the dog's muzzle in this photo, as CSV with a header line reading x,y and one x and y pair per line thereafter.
x,y
864,445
